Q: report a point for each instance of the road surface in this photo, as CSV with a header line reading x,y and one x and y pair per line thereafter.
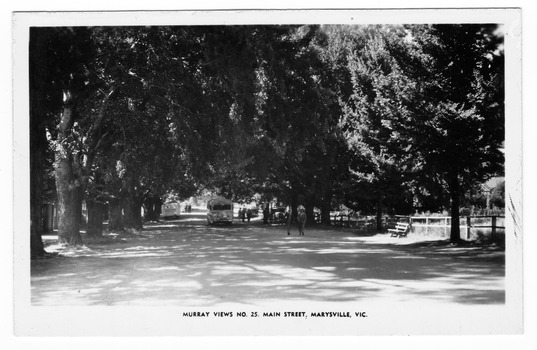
x,y
184,262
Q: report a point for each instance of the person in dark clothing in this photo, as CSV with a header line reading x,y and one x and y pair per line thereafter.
x,y
289,216
265,215
301,218
249,214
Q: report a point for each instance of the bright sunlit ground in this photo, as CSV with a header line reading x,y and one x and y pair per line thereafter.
x,y
187,263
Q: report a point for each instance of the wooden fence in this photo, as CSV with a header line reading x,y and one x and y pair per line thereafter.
x,y
467,223
359,222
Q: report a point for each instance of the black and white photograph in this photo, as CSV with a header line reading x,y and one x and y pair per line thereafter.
x,y
268,173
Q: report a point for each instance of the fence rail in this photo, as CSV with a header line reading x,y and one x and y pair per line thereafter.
x,y
466,222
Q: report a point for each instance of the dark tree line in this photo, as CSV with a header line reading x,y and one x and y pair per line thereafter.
x,y
381,118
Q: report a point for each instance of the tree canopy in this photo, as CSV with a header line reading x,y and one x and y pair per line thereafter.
x,y
380,118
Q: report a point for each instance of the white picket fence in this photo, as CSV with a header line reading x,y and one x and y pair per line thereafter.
x,y
466,222
428,223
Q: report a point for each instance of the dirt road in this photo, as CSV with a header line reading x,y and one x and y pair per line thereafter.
x,y
187,263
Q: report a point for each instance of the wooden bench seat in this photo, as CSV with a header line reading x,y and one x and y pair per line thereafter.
x,y
401,229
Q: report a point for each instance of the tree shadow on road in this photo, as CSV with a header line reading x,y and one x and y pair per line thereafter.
x,y
191,264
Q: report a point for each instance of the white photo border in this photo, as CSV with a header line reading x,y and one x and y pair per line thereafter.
x,y
155,321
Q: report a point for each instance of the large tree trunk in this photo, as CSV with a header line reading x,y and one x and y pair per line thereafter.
x,y
115,221
294,207
325,208
38,141
37,145
67,184
379,213
292,211
132,218
36,241
454,191
309,209
95,218
153,207
81,194
68,204
158,209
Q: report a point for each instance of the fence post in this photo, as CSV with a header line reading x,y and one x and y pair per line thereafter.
x,y
468,226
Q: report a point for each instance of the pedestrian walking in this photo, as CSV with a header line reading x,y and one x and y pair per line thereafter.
x,y
289,220
249,214
265,215
301,218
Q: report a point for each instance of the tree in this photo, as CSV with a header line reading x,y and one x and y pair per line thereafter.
x,y
297,140
380,116
59,78
456,118
497,197
67,65
91,65
98,78
425,113
380,164
38,124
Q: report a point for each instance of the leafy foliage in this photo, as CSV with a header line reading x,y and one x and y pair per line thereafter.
x,y
382,118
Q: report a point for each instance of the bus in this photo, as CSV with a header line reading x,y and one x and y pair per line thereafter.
x,y
219,210
171,210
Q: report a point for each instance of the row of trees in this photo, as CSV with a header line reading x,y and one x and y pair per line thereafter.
x,y
385,118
